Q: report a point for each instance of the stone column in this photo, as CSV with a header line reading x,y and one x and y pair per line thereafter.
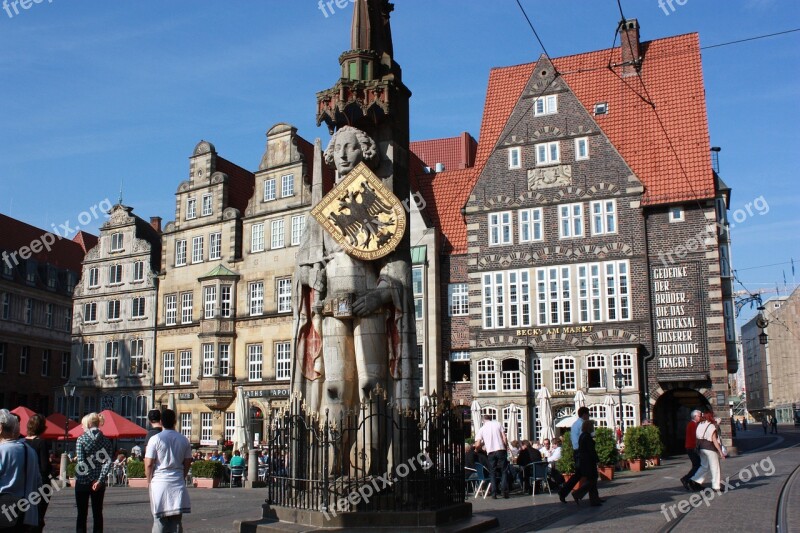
x,y
252,468
63,469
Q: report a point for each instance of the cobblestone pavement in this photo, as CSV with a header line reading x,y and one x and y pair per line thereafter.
x,y
635,502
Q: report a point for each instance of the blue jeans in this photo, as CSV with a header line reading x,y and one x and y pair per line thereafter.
x,y
498,466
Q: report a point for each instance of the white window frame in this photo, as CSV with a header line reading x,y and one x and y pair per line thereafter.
x,y
215,246
599,413
90,313
458,298
210,302
564,374
191,208
584,142
46,363
298,227
604,217
208,359
570,221
65,359
623,362
94,277
284,289
187,307
115,275
197,249
185,377
255,362
489,410
137,357
113,311
520,419
630,414
168,372
224,350
138,271
87,360
677,214
597,362
531,225
180,252
548,153
257,238
278,233
500,228
255,291
117,242
111,359
206,427
514,157
207,205
138,307
283,361
418,289
545,105
270,192
226,301
511,379
230,425
494,303
287,185
519,298
487,375
186,425
537,374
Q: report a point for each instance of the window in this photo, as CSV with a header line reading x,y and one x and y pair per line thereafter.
x,y
629,418
225,301
137,357
6,306
494,300
623,362
519,299
256,298
500,228
116,242
283,361
287,185
205,427
180,252
725,259
94,277
65,356
269,190
171,309
419,302
87,361
186,367
126,407
197,249
224,359
597,412
67,319
257,238
254,362
617,297
45,363
604,217
530,225
564,374
277,234
3,348
169,368
208,360
113,310
112,359
487,375
187,307
28,311
581,148
730,321
115,274
507,418
48,315
285,295
601,108
676,214
191,208
596,371
186,425
554,292
512,376
210,301
490,411
545,105
207,209
138,271
547,153
537,374
514,158
458,295
140,413
215,246
298,226
230,425
137,308
571,221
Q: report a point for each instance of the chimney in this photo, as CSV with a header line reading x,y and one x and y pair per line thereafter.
x,y
629,44
155,222
466,151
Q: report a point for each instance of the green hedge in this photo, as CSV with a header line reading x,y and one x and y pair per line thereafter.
x,y
606,446
652,436
135,470
71,469
207,469
567,461
636,445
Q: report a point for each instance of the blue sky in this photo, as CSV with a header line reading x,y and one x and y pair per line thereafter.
x,y
98,93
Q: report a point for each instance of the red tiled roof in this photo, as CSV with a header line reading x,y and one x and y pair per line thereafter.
x,y
86,241
63,253
241,185
454,152
445,194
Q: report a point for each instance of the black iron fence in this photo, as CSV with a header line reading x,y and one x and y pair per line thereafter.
x,y
376,457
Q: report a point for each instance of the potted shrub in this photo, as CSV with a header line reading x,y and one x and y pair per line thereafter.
x,y
655,446
71,471
207,474
606,447
566,465
136,476
636,448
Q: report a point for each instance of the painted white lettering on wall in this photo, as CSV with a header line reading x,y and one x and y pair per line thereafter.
x,y
676,338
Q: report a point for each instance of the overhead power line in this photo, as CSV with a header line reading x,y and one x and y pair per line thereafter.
x,y
749,39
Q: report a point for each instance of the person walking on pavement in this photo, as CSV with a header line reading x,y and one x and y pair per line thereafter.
x,y
494,439
94,463
764,423
586,466
168,457
575,433
691,447
154,417
710,453
774,422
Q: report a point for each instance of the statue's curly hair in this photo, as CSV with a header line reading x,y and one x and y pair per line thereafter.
x,y
369,150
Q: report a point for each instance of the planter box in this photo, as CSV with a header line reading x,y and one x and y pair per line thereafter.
x,y
568,475
637,465
206,483
138,483
655,461
606,472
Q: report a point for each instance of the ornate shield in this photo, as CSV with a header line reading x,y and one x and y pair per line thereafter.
x,y
364,217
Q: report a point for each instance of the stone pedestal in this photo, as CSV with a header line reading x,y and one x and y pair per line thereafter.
x,y
252,468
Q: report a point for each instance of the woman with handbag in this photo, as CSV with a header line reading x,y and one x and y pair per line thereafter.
x,y
19,476
709,448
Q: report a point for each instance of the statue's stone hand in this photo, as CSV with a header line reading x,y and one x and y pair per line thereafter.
x,y
371,302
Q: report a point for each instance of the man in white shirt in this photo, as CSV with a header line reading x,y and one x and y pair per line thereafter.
x,y
555,452
575,433
168,456
494,440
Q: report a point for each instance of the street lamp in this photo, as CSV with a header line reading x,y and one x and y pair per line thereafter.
x,y
69,392
619,380
762,324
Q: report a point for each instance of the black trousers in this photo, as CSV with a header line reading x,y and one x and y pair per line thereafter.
x,y
498,466
589,486
569,485
84,493
694,457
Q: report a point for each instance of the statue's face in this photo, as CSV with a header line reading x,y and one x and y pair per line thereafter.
x,y
346,152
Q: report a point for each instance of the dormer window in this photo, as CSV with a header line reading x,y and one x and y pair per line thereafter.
x,y
545,105
207,209
601,108
191,208
676,214
117,240
514,158
287,185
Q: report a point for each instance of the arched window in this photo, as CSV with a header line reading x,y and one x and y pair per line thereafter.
x,y
564,373
624,363
140,413
126,407
630,414
487,375
512,376
597,412
491,411
596,371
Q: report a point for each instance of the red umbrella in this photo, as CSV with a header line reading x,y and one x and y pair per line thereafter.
x,y
58,419
114,427
51,430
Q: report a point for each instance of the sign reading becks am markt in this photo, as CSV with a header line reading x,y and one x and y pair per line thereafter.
x,y
678,343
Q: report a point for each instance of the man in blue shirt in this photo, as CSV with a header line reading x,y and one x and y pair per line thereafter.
x,y
575,433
